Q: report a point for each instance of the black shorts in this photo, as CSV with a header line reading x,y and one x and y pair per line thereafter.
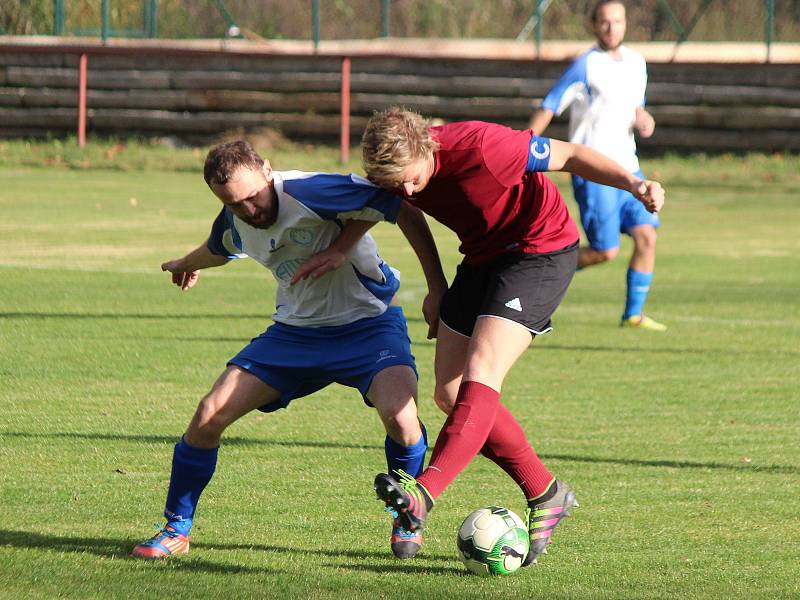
x,y
523,288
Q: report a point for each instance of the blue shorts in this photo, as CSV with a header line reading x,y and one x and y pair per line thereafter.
x,y
607,211
298,361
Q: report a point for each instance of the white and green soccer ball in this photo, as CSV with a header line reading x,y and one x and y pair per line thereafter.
x,y
493,541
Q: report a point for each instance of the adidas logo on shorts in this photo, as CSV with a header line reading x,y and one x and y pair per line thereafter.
x,y
514,304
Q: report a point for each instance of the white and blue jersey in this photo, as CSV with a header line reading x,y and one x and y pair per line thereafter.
x,y
603,93
312,209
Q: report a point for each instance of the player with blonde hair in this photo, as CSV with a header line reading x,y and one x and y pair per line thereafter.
x,y
486,182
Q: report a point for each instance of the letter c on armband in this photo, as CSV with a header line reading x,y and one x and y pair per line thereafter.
x,y
537,154
539,158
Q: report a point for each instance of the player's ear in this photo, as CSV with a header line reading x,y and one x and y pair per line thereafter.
x,y
267,169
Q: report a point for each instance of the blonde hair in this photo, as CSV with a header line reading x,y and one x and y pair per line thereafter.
x,y
395,138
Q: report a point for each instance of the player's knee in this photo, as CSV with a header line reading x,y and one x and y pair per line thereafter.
x,y
403,427
406,434
645,237
209,419
607,255
444,400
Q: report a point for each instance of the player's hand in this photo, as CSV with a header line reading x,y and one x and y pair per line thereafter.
x,y
644,123
318,265
651,194
430,310
180,276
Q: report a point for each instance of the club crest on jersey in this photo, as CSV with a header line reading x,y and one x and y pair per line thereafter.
x,y
301,236
286,269
540,154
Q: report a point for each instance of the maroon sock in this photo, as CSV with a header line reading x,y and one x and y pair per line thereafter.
x,y
462,435
509,448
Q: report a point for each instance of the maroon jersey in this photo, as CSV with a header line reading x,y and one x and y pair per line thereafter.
x,y
481,190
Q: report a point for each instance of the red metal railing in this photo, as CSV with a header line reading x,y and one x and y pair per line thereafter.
x,y
82,68
344,134
84,51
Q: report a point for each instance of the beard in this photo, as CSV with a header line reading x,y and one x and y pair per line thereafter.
x,y
260,222
263,219
609,47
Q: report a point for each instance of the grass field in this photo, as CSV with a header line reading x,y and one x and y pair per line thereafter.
x,y
683,447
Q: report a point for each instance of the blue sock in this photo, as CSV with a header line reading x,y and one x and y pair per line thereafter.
x,y
408,458
192,469
638,286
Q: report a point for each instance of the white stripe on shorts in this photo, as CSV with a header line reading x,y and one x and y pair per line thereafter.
x,y
533,331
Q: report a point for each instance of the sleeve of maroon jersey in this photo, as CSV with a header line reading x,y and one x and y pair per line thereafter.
x,y
505,153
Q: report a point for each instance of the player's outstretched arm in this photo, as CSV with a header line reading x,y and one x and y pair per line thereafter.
x,y
591,164
540,120
184,270
335,255
415,228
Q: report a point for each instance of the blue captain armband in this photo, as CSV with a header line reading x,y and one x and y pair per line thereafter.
x,y
538,154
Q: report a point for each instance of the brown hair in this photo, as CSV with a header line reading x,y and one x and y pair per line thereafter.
x,y
393,139
601,4
224,160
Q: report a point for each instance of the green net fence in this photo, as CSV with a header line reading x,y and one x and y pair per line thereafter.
x,y
648,20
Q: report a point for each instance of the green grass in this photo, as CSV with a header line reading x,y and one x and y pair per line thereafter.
x,y
163,154
683,447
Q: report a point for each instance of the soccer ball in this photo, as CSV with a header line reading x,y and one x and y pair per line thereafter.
x,y
493,541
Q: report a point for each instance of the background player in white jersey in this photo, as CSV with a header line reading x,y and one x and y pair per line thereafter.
x,y
605,88
336,327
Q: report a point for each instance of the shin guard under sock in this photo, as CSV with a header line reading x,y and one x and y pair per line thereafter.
x,y
508,447
462,435
192,469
